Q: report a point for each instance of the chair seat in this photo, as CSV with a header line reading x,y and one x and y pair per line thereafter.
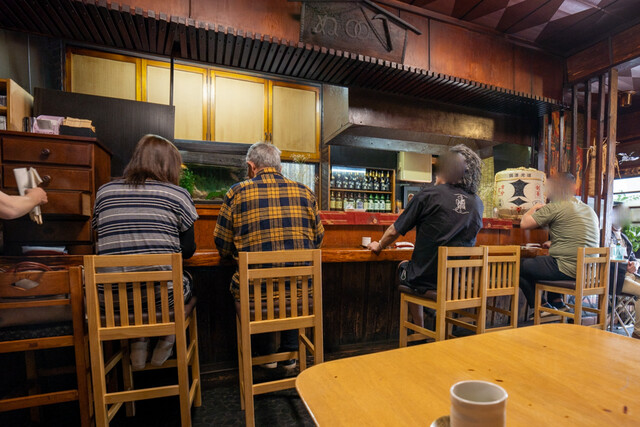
x,y
188,309
26,332
430,294
567,284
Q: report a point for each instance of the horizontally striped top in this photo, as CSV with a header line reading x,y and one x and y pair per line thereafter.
x,y
146,219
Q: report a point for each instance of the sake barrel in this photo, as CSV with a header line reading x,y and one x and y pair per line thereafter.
x,y
518,190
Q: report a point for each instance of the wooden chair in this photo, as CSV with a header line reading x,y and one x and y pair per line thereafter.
x,y
277,298
125,292
48,290
592,278
462,285
503,280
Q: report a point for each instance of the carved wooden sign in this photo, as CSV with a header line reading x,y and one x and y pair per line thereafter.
x,y
358,26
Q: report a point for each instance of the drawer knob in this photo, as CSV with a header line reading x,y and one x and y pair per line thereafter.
x,y
45,152
46,180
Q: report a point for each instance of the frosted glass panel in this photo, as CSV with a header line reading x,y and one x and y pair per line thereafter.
x,y
294,119
103,77
239,110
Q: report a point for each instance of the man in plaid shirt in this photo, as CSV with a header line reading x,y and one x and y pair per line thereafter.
x,y
267,212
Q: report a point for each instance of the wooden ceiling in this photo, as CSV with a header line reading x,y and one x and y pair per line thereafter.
x,y
560,26
111,25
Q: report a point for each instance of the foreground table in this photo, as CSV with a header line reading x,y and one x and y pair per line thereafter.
x,y
555,374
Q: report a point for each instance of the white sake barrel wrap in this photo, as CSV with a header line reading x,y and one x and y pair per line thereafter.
x,y
518,190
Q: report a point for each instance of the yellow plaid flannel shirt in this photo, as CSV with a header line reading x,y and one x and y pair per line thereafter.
x,y
267,213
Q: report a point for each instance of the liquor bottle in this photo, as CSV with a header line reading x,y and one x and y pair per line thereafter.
x,y
333,180
359,202
372,203
348,202
332,203
387,204
352,181
365,202
385,182
339,202
338,183
376,181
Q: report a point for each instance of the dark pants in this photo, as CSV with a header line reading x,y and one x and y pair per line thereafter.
x,y
264,344
539,268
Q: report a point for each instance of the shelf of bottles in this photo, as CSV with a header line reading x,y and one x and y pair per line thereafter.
x,y
362,189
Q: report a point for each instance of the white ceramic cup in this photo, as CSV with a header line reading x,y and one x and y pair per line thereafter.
x,y
366,241
478,404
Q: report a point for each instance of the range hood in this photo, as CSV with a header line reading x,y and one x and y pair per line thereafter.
x,y
368,119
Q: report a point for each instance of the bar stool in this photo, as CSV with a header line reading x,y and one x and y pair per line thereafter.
x,y
122,290
462,285
592,278
269,304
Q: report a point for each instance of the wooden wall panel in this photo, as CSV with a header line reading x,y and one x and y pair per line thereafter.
x,y
417,48
277,18
588,61
629,126
462,53
547,75
522,78
626,45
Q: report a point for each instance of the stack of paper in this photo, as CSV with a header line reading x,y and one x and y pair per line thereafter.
x,y
25,179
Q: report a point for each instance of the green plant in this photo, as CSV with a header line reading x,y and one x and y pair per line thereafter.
x,y
187,180
633,233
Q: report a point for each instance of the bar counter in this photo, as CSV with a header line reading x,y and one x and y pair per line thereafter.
x,y
360,298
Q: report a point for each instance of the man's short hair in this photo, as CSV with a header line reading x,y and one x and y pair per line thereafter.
x,y
472,169
565,177
264,155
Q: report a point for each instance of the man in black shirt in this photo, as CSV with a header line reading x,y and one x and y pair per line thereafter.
x,y
447,214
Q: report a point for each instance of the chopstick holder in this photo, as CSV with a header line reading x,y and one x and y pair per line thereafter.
x,y
25,179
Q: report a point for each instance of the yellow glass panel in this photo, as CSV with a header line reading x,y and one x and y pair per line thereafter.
x,y
103,77
239,110
294,119
187,98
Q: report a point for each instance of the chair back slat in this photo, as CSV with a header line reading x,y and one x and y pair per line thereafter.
x,y
124,304
462,279
282,281
151,302
504,267
593,268
137,303
132,293
108,305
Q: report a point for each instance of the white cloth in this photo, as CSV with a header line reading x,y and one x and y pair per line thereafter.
x,y
25,179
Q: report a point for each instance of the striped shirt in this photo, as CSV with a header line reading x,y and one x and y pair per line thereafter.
x,y
146,219
267,213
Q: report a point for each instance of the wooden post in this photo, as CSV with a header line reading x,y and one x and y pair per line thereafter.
x,y
587,140
601,122
574,130
612,124
541,146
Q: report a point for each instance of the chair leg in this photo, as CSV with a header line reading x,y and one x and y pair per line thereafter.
x,y
302,350
247,381
318,344
34,387
404,317
602,312
183,378
127,376
441,325
577,310
195,361
536,307
99,382
82,383
240,363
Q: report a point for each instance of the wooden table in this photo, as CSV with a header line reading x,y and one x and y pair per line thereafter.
x,y
555,374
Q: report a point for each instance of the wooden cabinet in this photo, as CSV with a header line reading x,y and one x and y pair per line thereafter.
x,y
295,119
72,169
18,106
240,107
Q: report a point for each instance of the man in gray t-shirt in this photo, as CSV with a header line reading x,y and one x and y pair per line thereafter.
x,y
572,225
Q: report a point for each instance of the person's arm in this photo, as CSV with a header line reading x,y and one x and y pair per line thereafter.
x,y
188,243
223,233
527,222
12,207
390,235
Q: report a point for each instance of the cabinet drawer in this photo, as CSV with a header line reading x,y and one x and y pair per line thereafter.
x,y
67,203
54,178
36,151
28,232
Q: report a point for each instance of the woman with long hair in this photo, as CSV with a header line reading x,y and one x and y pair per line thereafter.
x,y
146,212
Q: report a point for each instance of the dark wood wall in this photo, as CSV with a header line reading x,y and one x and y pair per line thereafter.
x,y
443,47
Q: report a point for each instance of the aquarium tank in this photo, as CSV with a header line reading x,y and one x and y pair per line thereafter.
x,y
207,183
